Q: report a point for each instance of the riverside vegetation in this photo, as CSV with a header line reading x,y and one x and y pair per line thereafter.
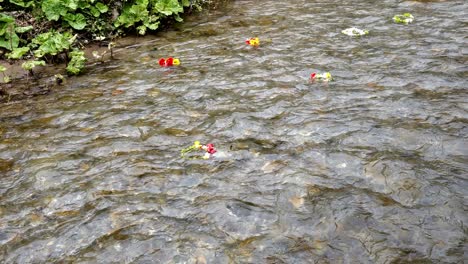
x,y
41,32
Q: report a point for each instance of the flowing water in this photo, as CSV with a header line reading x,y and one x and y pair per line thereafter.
x,y
369,168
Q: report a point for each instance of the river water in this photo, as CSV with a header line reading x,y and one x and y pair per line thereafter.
x,y
369,168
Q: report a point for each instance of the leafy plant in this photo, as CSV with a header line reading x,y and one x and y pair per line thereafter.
x,y
6,78
17,53
76,21
8,29
22,3
68,11
91,17
77,62
135,12
169,7
8,37
52,43
30,65
146,14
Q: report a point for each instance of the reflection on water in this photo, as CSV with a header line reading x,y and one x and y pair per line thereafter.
x,y
370,168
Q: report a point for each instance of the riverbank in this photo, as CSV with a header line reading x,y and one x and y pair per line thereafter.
x,y
17,82
51,77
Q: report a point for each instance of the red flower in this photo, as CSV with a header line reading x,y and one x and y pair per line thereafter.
x,y
162,62
247,42
312,76
170,62
210,148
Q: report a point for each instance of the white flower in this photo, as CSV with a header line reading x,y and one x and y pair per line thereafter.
x,y
354,32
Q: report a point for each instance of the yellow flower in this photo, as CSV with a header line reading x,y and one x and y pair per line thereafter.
x,y
197,144
255,42
177,62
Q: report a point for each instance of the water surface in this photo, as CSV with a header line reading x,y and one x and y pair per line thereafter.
x,y
370,168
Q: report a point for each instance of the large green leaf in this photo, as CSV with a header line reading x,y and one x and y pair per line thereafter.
x,y
168,7
17,53
6,18
76,21
101,7
94,11
53,9
9,41
83,4
22,3
5,27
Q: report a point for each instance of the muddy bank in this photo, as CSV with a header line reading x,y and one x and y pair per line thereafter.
x,y
46,79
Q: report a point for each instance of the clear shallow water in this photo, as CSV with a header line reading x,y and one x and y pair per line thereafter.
x,y
371,168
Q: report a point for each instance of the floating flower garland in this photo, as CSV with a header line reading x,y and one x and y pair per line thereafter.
x,y
208,148
355,32
169,62
326,76
406,18
254,42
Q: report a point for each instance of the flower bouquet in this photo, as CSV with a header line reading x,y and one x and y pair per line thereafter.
x,y
355,32
209,150
406,18
326,76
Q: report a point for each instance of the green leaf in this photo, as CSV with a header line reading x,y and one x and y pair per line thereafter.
x,y
2,68
23,29
178,18
132,14
17,53
77,62
52,43
71,4
7,19
168,7
29,65
94,11
101,7
9,42
83,5
5,28
53,9
153,26
76,21
22,3
141,29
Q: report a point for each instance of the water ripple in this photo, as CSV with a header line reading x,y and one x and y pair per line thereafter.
x,y
370,168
